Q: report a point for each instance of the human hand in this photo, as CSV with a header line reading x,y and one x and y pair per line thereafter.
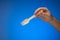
x,y
44,14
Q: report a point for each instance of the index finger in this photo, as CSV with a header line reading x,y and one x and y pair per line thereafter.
x,y
39,10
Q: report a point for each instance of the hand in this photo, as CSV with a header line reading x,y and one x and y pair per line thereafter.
x,y
44,14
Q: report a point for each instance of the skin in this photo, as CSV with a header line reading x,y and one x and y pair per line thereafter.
x,y
45,15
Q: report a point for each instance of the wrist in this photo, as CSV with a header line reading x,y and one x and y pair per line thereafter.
x,y
52,20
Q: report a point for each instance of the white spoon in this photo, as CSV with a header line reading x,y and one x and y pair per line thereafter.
x,y
27,20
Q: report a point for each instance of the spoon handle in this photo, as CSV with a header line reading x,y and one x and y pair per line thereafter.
x,y
30,18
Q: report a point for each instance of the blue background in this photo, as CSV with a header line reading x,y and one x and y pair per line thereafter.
x,y
14,11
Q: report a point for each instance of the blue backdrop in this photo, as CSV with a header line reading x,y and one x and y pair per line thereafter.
x,y
15,11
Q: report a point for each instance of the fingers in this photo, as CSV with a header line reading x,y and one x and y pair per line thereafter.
x,y
42,15
40,10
